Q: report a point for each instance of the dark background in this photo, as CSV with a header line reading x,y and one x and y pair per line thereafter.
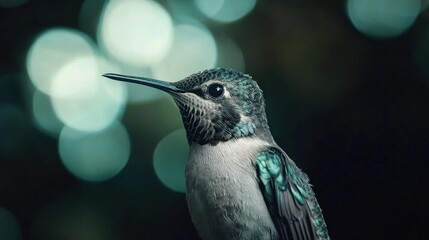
x,y
352,110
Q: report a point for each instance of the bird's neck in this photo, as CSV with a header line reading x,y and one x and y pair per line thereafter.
x,y
214,123
207,132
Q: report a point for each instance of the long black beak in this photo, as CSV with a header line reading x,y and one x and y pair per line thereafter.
x,y
158,84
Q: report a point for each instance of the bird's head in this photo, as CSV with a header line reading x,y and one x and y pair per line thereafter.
x,y
216,105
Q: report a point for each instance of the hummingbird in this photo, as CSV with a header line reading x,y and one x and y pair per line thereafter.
x,y
239,183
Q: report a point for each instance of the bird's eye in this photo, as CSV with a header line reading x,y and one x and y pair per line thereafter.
x,y
215,90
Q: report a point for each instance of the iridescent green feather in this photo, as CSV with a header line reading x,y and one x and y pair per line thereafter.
x,y
270,164
278,175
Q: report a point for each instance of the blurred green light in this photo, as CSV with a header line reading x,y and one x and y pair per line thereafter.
x,y
230,54
421,55
83,99
225,10
170,159
9,226
383,18
136,32
89,15
73,218
11,3
194,49
138,94
95,156
51,50
13,130
44,115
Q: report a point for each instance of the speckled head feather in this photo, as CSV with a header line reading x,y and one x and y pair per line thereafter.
x,y
240,112
220,74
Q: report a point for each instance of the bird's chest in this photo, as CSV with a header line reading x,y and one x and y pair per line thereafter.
x,y
220,175
223,193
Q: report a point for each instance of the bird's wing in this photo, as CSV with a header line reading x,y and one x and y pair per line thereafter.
x,y
289,197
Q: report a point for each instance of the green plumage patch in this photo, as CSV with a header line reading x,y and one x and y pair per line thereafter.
x,y
289,195
275,175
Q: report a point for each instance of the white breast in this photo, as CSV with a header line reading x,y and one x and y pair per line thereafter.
x,y
223,193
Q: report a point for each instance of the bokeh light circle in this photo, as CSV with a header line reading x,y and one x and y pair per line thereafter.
x,y
44,115
95,156
421,55
169,160
12,3
230,54
15,130
83,99
138,93
383,18
225,10
73,217
51,50
194,49
9,226
89,15
136,32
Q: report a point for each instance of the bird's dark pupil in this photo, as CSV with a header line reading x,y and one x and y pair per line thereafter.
x,y
215,90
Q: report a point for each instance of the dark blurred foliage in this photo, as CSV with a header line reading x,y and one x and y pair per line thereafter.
x,y
352,111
